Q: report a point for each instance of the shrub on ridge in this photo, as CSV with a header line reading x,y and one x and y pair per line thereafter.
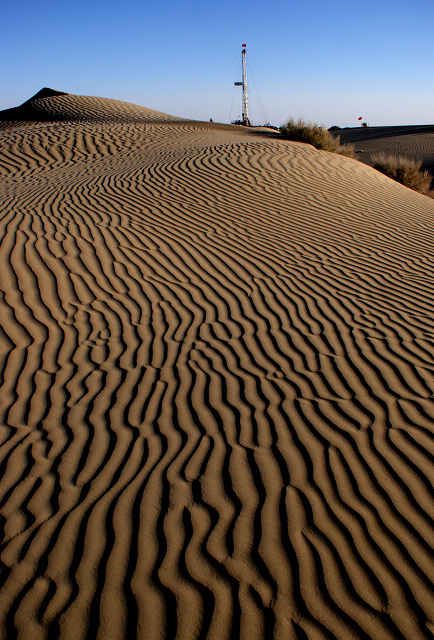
x,y
318,137
405,171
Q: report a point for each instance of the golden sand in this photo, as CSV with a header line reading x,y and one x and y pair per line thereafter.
x,y
217,385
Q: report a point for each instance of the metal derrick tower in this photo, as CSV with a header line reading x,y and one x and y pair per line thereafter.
x,y
245,115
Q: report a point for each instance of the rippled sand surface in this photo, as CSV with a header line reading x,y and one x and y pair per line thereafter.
x,y
217,389
414,142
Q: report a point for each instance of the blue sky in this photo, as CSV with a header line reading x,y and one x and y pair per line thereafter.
x,y
327,61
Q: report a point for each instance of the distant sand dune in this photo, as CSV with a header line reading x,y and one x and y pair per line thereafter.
x,y
415,142
51,105
217,385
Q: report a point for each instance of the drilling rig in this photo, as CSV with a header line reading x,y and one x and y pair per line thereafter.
x,y
245,112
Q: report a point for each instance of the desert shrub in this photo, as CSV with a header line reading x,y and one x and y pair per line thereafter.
x,y
319,137
405,171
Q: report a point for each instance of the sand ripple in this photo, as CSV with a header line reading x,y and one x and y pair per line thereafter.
x,y
216,388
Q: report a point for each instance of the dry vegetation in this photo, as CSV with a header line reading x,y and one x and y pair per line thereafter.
x,y
319,137
406,171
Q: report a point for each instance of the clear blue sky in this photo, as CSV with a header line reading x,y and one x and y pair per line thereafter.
x,y
328,61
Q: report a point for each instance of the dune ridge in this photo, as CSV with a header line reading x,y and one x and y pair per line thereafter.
x,y
216,386
51,105
414,141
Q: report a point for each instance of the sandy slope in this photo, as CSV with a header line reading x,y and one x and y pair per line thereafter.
x,y
416,142
49,105
217,387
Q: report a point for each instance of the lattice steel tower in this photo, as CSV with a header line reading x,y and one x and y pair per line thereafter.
x,y
245,115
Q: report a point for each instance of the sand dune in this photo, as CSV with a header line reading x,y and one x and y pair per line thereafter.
x,y
415,142
216,385
49,105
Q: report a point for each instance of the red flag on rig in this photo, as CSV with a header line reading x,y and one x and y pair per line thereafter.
x,y
361,118
244,45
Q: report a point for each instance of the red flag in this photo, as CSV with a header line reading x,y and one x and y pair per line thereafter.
x,y
244,45
360,118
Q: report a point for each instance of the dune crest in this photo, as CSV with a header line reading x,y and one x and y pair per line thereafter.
x,y
216,373
415,142
49,104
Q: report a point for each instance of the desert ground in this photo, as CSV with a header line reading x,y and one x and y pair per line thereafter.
x,y
217,383
415,142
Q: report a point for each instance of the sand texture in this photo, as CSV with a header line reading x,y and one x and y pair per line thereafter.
x,y
415,142
217,385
